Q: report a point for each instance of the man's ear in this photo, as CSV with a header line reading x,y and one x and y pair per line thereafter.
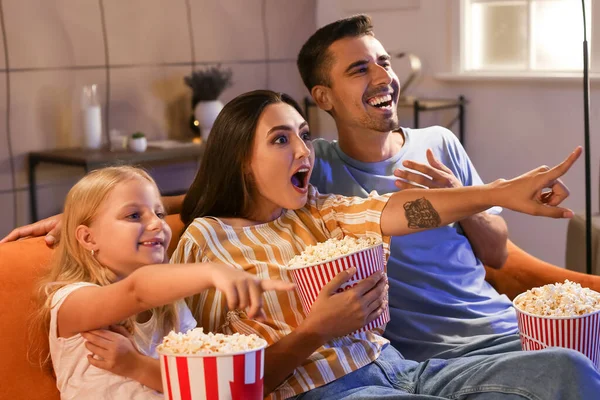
x,y
322,97
84,236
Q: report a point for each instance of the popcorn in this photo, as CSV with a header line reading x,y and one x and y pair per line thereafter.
x,y
195,341
566,299
330,249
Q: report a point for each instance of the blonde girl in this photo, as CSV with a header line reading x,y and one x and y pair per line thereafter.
x,y
109,270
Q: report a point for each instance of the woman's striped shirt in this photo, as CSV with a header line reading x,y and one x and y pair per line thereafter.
x,y
264,250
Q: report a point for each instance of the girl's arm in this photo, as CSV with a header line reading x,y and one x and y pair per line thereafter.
x,y
151,286
414,210
332,315
148,373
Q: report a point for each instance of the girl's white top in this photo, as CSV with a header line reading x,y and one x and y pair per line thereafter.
x,y
76,378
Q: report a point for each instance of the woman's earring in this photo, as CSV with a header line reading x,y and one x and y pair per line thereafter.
x,y
93,252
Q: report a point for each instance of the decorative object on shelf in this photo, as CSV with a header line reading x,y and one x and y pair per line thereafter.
x,y
92,117
117,141
137,142
207,85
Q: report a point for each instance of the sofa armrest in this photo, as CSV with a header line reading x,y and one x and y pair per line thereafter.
x,y
522,271
22,263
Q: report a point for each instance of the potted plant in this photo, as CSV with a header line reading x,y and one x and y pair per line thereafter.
x,y
137,142
207,85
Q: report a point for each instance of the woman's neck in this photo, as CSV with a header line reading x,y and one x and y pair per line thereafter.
x,y
256,219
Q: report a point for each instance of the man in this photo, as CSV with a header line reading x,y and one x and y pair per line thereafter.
x,y
440,304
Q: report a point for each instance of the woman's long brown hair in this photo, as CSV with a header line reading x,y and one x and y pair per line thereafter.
x,y
223,186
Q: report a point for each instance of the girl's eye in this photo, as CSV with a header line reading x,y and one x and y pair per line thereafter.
x,y
280,140
160,215
306,136
134,216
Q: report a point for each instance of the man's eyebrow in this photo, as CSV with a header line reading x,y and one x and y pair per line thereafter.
x,y
285,128
383,57
355,64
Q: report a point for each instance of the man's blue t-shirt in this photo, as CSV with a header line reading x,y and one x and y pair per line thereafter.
x,y
440,303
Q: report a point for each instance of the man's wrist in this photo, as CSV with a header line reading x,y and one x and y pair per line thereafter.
x,y
492,193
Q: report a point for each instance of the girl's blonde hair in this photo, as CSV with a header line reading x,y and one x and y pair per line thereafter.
x,y
72,263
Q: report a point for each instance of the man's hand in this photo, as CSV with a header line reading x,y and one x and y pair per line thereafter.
x,y
50,227
487,233
539,191
433,176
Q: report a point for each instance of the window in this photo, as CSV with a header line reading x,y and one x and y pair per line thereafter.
x,y
524,35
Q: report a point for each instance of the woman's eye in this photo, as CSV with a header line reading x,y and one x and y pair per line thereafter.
x,y
280,140
306,136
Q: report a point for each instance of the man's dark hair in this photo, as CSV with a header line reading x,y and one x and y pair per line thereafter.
x,y
314,60
224,186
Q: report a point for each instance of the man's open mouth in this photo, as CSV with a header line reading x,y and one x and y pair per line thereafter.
x,y
383,101
300,178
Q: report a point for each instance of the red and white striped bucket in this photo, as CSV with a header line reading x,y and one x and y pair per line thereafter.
x,y
581,333
311,279
213,377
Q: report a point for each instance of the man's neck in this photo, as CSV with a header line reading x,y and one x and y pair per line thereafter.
x,y
370,146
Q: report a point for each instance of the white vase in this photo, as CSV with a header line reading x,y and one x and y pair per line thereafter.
x,y
138,145
206,113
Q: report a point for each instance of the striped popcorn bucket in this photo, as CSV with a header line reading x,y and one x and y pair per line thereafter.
x,y
310,279
581,333
213,377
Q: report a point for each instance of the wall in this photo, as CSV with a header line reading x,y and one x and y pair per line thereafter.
x,y
511,126
138,51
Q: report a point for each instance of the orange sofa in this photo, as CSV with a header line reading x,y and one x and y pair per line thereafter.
x,y
22,262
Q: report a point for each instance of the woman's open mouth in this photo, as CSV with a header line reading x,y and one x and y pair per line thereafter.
x,y
300,179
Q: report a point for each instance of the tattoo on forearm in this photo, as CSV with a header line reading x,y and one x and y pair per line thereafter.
x,y
421,214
